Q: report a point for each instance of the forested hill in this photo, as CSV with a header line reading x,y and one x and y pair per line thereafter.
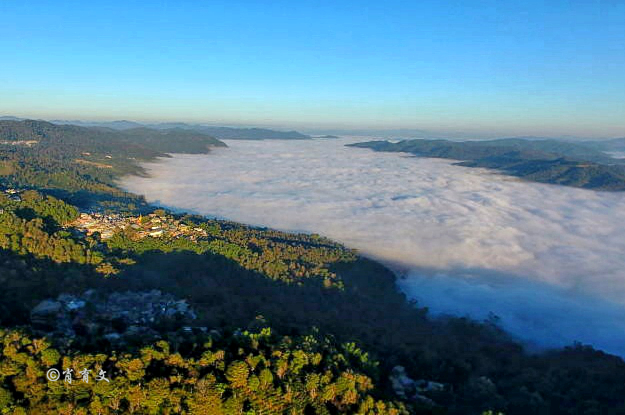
x,y
137,142
577,164
82,163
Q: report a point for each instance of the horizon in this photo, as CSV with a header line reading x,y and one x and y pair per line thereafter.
x,y
383,134
476,68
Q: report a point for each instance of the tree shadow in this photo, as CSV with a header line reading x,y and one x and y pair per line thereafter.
x,y
26,280
370,310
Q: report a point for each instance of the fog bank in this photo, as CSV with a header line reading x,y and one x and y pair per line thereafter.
x,y
548,260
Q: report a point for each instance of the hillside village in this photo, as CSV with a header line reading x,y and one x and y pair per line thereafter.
x,y
153,225
115,318
156,224
12,194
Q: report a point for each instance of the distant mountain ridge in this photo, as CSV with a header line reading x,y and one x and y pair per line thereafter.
x,y
222,133
614,144
116,125
578,164
235,133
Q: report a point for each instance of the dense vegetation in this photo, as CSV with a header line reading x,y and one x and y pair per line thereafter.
x,y
323,302
247,373
577,164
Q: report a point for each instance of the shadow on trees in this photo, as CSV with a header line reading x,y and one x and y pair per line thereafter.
x,y
369,310
27,280
468,356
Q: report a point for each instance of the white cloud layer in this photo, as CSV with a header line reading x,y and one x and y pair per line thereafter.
x,y
549,260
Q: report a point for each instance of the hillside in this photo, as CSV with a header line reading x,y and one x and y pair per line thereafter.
x,y
140,142
81,163
544,161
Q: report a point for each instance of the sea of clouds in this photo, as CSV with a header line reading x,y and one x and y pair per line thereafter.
x,y
548,260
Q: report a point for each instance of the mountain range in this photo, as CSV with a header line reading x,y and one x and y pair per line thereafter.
x,y
219,132
223,133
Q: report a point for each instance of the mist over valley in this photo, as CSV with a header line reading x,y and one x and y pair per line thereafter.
x,y
546,259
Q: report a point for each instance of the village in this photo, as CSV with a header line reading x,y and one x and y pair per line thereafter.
x,y
152,225
155,225
117,317
12,194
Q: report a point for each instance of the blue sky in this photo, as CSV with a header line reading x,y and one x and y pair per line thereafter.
x,y
534,67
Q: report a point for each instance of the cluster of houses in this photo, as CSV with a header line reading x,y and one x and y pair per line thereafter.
x,y
152,225
116,317
105,224
26,143
13,194
421,391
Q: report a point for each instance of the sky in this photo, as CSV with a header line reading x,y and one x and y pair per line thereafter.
x,y
522,68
